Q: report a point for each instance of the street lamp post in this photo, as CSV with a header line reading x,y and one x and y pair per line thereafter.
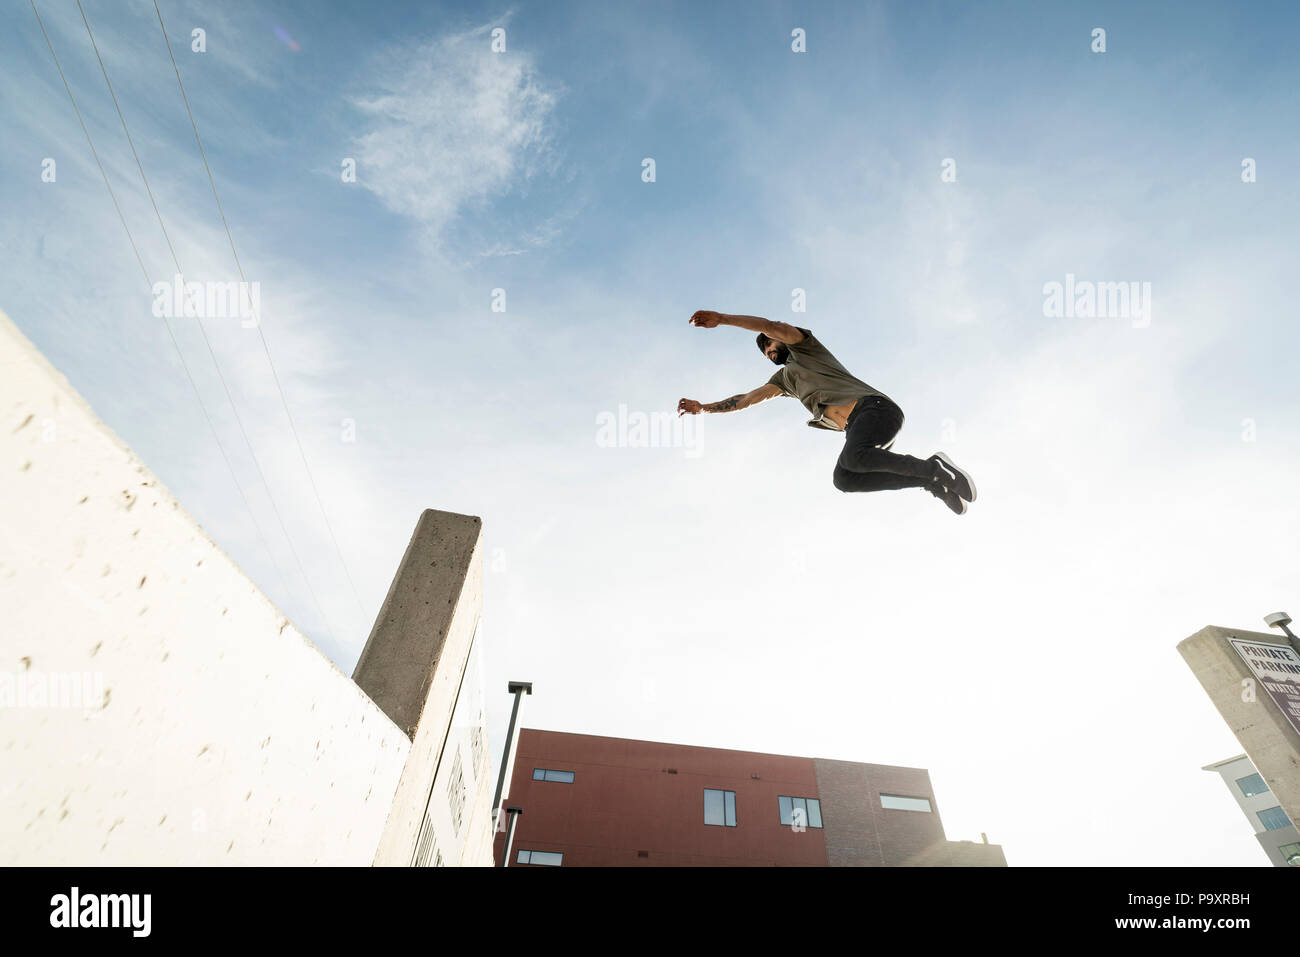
x,y
1280,619
518,689
514,813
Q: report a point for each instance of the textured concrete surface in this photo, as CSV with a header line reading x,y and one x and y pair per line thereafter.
x,y
413,666
204,728
411,632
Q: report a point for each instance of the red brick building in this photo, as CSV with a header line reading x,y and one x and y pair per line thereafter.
x,y
591,801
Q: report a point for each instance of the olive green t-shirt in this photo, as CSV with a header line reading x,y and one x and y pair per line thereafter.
x,y
815,377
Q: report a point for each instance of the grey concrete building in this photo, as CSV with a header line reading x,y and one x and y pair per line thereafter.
x,y
1274,830
1253,680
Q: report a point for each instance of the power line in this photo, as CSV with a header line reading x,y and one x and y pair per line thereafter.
x,y
167,325
265,348
207,342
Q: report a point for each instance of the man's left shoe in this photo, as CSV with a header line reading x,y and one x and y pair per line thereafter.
x,y
952,477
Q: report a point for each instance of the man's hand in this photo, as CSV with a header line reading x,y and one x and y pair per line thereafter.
x,y
735,403
780,331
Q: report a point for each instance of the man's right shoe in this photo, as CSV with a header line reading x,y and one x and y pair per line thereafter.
x,y
948,496
948,475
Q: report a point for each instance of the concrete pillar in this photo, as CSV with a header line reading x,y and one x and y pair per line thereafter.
x,y
1265,733
415,658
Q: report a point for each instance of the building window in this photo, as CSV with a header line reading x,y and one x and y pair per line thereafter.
x,y
426,846
476,745
902,803
456,793
545,774
1251,785
720,807
544,858
1274,818
806,812
1290,854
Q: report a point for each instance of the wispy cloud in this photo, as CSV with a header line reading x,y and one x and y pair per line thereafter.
x,y
451,123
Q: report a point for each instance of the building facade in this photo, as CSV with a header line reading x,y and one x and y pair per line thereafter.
x,y
592,801
1274,830
1253,680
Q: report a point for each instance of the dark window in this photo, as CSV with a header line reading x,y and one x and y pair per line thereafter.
x,y
903,803
720,807
456,793
544,858
806,812
1251,785
1274,818
545,774
476,743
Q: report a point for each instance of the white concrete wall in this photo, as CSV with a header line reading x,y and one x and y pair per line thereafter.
x,y
213,732
469,842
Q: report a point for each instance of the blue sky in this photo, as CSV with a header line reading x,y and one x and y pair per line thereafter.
x,y
1135,483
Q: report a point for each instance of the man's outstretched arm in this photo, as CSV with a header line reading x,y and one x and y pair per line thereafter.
x,y
780,331
737,402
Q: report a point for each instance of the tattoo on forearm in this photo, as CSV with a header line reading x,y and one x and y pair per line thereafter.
x,y
726,405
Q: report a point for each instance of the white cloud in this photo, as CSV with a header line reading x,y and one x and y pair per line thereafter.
x,y
452,123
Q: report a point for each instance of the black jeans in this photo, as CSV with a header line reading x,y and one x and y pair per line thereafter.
x,y
866,464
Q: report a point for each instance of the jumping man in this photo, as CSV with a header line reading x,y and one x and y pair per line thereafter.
x,y
869,419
